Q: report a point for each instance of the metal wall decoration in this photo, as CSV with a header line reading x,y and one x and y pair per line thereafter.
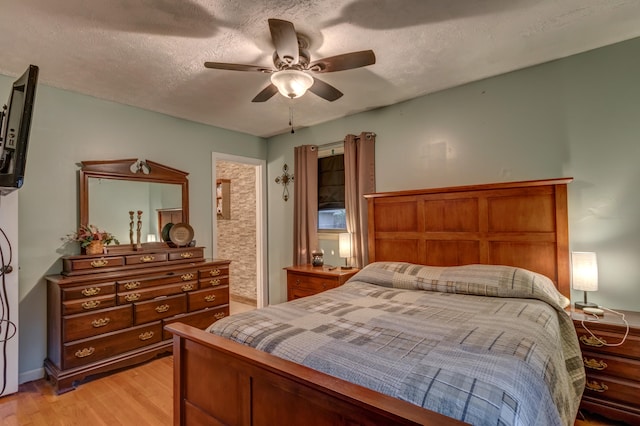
x,y
284,179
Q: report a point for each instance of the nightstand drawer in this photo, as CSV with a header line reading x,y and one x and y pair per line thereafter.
x,y
629,349
306,282
612,389
597,363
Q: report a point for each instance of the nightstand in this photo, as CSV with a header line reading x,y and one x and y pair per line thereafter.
x,y
305,280
613,372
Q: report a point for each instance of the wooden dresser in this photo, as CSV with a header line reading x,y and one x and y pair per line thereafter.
x,y
109,311
613,372
305,280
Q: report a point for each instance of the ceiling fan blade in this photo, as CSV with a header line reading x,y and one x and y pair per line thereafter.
x,y
285,39
237,67
325,90
346,61
266,94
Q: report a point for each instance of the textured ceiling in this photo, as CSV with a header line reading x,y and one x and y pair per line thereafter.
x,y
150,53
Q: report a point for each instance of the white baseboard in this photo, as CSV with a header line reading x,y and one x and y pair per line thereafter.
x,y
30,376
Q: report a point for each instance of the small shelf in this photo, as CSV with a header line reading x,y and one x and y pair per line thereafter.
x,y
223,198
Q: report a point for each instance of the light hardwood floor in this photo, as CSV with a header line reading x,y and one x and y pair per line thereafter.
x,y
138,396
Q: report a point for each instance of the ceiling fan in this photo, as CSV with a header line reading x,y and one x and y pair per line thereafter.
x,y
291,75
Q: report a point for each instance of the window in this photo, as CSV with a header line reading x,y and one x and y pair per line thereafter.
x,y
331,207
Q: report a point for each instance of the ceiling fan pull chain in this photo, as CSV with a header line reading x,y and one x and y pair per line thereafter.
x,y
291,119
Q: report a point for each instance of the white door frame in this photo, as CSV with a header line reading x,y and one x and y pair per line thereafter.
x,y
262,287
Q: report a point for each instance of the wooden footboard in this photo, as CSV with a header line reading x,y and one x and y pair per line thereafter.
x,y
220,382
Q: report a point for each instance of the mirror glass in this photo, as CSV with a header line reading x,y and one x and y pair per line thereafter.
x,y
111,201
111,189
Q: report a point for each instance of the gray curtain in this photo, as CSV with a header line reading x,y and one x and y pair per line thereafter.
x,y
305,204
360,179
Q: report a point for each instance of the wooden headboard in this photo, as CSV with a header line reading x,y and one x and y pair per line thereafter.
x,y
522,224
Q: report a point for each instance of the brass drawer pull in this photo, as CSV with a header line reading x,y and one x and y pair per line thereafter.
x,y
100,322
162,308
210,297
186,255
595,386
595,364
297,282
146,335
214,272
91,304
593,341
145,259
132,297
99,263
85,352
220,315
132,285
186,277
187,287
91,291
217,281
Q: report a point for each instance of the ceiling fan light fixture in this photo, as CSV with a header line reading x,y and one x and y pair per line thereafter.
x,y
292,83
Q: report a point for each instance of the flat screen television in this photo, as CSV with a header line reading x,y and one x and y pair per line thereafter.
x,y
15,123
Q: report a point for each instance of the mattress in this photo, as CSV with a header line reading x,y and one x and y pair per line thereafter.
x,y
485,344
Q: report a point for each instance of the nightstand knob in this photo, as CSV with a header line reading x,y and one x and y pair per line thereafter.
x,y
595,386
297,281
595,364
593,341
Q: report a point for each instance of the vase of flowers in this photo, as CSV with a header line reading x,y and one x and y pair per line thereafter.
x,y
91,239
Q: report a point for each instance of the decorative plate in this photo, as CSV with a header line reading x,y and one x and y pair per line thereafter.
x,y
165,232
181,234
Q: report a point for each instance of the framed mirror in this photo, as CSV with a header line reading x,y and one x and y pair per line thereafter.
x,y
110,190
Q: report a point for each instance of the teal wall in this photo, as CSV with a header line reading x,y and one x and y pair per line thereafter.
x,y
68,128
573,117
578,117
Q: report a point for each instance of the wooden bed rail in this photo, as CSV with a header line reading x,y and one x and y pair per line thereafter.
x,y
217,381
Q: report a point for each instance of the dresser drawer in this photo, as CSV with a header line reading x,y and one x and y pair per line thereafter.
x,y
191,253
89,304
157,309
315,284
144,258
155,292
213,272
89,290
611,365
82,264
200,319
207,298
80,326
98,348
156,280
209,282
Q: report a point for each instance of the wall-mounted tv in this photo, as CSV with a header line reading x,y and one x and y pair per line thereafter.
x,y
15,124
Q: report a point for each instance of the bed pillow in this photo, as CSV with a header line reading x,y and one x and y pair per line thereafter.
x,y
480,280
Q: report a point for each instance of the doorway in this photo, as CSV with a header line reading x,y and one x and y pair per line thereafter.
x,y
239,227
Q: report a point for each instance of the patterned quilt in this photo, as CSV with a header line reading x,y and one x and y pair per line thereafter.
x,y
488,345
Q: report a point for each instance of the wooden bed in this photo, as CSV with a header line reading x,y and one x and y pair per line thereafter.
x,y
523,224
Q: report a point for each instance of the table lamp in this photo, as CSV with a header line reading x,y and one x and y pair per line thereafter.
x,y
585,275
344,248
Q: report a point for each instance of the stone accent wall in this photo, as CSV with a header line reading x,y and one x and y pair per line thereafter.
x,y
237,235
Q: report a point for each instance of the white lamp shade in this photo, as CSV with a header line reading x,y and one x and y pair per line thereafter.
x,y
344,244
584,266
292,83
